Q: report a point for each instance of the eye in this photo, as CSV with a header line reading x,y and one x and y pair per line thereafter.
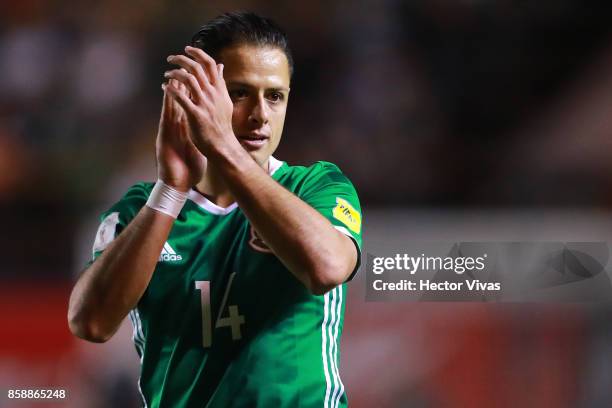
x,y
238,94
276,97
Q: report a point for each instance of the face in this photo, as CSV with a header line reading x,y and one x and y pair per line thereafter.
x,y
257,79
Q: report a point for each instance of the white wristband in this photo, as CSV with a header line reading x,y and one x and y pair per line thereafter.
x,y
166,199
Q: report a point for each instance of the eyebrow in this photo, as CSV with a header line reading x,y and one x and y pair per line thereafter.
x,y
245,85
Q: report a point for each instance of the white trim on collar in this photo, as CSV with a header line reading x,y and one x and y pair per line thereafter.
x,y
273,165
193,195
208,205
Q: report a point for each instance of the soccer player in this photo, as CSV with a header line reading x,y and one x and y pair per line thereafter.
x,y
232,266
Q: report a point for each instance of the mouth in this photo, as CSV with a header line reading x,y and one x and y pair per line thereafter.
x,y
253,141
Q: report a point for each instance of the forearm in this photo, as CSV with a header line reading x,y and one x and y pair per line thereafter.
x,y
317,254
306,242
107,290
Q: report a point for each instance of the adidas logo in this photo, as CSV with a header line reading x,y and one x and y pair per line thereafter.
x,y
168,254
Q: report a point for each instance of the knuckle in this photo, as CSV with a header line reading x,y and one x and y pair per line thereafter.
x,y
211,65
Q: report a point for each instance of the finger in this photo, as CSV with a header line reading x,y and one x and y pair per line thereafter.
x,y
168,107
183,100
181,112
189,81
182,117
180,85
191,66
183,88
220,71
166,110
173,107
205,61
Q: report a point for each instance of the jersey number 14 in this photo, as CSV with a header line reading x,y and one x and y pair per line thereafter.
x,y
233,321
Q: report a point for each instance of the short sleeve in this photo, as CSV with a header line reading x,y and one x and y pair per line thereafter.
x,y
117,217
332,194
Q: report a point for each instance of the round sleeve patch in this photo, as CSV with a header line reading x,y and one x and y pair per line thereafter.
x,y
106,232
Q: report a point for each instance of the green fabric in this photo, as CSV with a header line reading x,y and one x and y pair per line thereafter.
x,y
272,344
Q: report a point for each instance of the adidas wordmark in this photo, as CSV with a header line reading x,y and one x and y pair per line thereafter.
x,y
168,254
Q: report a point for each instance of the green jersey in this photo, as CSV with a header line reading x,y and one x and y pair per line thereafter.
x,y
223,323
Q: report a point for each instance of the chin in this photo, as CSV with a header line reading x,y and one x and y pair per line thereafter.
x,y
259,157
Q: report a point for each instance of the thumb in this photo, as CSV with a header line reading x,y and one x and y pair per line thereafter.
x,y
165,102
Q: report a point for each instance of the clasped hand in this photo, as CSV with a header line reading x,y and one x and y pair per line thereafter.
x,y
207,103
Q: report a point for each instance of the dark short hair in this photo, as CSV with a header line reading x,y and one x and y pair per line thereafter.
x,y
241,27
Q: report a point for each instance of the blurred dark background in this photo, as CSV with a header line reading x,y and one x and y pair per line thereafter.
x,y
422,103
454,106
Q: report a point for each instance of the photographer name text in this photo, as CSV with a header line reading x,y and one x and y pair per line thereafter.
x,y
418,264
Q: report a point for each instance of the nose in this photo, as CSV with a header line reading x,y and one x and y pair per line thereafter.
x,y
260,114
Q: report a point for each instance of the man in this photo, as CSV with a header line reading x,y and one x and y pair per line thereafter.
x,y
222,263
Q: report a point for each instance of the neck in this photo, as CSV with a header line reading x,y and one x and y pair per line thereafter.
x,y
214,188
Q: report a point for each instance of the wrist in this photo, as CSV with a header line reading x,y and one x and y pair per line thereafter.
x,y
220,146
227,151
166,199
